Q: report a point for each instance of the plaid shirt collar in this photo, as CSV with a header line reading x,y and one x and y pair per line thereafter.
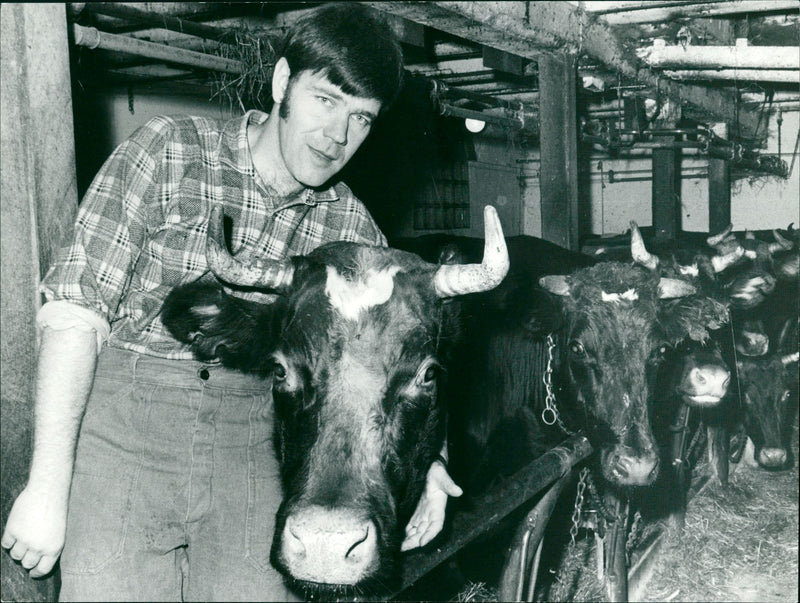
x,y
235,152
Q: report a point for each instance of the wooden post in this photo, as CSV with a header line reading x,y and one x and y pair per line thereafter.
x,y
719,187
666,201
39,201
558,145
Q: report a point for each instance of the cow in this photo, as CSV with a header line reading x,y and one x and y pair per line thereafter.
x,y
763,290
610,324
353,340
571,345
769,388
758,278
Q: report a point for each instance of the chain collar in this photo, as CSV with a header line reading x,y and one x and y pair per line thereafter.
x,y
550,414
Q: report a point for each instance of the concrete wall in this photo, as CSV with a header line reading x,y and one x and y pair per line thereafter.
x,y
757,202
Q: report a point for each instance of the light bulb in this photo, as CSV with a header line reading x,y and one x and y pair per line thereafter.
x,y
474,125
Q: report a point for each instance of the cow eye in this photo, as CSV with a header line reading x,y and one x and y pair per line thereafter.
x,y
426,376
577,349
278,371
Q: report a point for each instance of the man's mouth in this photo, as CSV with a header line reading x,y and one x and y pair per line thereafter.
x,y
323,156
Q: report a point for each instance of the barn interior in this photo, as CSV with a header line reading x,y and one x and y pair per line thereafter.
x,y
571,118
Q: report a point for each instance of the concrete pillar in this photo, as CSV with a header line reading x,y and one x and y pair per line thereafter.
x,y
38,201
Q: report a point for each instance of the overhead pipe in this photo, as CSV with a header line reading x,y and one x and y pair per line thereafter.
x,y
122,11
522,121
90,37
740,56
654,14
742,75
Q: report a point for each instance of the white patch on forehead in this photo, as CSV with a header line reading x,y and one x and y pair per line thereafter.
x,y
629,295
691,270
351,298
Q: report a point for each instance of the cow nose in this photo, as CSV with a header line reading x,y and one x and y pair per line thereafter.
x,y
772,457
707,385
332,546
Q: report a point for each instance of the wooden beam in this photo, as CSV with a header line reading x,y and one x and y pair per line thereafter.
x,y
666,196
558,137
719,187
531,29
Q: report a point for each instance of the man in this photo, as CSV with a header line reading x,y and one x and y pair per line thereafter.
x,y
171,490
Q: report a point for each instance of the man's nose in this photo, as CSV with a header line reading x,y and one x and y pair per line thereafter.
x,y
336,128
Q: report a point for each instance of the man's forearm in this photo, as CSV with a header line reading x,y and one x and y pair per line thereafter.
x,y
67,360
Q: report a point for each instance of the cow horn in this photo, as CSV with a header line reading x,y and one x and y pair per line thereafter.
x,y
780,243
789,358
721,262
255,272
459,279
669,288
715,240
639,251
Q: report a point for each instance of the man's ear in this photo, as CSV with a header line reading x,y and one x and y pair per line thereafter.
x,y
280,80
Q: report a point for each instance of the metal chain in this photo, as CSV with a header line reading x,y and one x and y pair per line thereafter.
x,y
576,512
550,415
601,506
632,535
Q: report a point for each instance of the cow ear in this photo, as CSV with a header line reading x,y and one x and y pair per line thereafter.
x,y
555,283
451,254
190,310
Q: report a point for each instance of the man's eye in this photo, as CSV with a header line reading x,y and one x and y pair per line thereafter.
x,y
325,101
363,120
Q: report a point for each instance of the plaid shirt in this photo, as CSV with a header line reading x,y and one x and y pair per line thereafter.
x,y
141,227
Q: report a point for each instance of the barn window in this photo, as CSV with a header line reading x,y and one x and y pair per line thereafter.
x,y
444,202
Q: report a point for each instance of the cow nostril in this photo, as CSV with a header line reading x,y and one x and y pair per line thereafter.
x,y
698,376
352,552
294,543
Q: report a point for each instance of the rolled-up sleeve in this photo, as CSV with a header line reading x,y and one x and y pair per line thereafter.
x,y
94,270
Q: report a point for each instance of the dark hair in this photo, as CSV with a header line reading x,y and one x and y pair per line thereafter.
x,y
351,46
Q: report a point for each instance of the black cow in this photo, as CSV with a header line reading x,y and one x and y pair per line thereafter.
x,y
354,343
597,332
770,394
763,290
609,324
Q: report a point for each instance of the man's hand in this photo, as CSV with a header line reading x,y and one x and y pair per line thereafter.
x,y
35,530
428,517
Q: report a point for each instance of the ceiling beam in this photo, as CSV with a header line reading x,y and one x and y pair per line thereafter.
x,y
529,29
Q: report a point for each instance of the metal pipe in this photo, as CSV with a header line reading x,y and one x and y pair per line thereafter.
x,y
92,38
518,123
121,11
740,56
742,75
697,9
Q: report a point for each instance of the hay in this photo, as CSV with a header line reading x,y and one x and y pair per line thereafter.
x,y
251,89
739,544
477,591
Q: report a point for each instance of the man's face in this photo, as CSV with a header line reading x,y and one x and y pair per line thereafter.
x,y
321,127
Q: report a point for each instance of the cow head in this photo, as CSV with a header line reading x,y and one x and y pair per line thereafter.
x,y
353,342
769,392
620,319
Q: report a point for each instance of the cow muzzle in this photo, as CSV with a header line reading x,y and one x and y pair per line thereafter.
x,y
624,467
705,386
329,546
772,458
